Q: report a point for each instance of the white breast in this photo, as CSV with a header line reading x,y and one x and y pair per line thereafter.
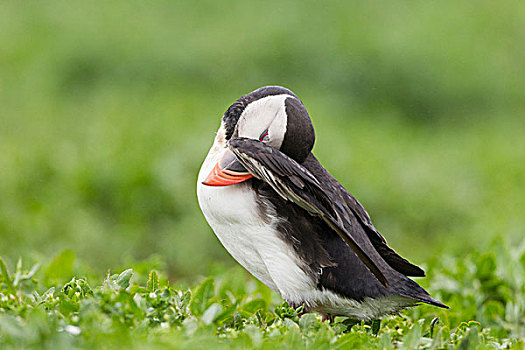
x,y
249,237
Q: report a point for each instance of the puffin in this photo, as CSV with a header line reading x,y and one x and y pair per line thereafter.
x,y
290,223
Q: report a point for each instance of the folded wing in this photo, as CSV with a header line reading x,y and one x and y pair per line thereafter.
x,y
297,184
388,254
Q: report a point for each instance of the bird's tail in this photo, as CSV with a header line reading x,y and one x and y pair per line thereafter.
x,y
412,290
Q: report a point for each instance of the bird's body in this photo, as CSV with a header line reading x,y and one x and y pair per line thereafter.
x,y
285,219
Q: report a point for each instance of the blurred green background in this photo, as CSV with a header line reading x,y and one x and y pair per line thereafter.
x,y
109,108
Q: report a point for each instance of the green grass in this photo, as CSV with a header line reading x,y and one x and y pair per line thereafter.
x,y
486,292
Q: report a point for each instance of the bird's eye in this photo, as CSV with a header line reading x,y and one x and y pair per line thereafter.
x,y
264,136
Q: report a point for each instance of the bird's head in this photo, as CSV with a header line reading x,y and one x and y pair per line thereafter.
x,y
271,114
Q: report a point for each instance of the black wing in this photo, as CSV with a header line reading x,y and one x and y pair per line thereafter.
x,y
391,257
348,204
295,183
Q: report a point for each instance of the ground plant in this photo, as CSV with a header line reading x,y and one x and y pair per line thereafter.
x,y
51,307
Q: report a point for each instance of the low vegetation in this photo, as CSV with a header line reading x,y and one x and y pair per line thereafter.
x,y
486,293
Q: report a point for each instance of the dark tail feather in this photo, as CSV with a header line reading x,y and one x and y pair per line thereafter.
x,y
412,290
429,300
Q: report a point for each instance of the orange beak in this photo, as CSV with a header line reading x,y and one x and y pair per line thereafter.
x,y
228,171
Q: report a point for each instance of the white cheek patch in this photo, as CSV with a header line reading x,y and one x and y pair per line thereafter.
x,y
277,128
267,113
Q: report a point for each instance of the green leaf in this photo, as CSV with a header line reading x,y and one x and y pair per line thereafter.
x,y
124,277
307,321
153,281
19,276
61,268
486,266
136,289
293,339
31,272
226,315
18,272
471,340
211,313
254,306
5,276
376,326
200,301
433,324
413,338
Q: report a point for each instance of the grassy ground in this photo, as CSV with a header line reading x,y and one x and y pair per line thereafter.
x,y
486,293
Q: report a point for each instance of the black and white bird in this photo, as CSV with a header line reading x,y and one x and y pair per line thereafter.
x,y
290,223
